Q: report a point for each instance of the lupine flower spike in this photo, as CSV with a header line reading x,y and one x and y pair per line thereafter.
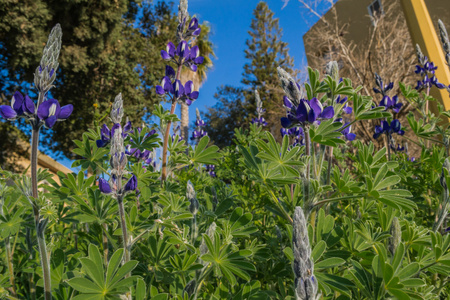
x,y
426,69
198,132
259,111
305,283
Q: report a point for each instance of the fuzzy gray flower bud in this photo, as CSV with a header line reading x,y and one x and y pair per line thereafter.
x,y
118,157
332,70
444,206
306,286
445,41
289,86
182,18
117,109
45,73
396,235
210,233
420,56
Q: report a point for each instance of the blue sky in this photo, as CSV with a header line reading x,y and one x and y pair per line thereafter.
x,y
230,21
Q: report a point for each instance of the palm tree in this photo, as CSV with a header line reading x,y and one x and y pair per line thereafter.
x,y
199,77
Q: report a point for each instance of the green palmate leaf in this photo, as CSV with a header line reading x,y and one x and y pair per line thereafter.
x,y
329,263
142,140
226,261
96,282
84,285
327,133
203,154
318,250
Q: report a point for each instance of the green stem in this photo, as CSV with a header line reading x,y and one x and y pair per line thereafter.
x,y
40,224
275,199
167,133
330,159
9,259
126,257
308,153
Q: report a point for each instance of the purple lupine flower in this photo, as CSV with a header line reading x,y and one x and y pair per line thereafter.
x,y
426,69
345,108
394,127
193,28
131,185
106,134
189,94
393,103
306,112
347,132
104,186
296,133
211,170
166,86
50,111
199,123
382,88
198,134
259,111
169,53
19,105
261,121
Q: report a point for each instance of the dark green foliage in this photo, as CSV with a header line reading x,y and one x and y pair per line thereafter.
x,y
102,54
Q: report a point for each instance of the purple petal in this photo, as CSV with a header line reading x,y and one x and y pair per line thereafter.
x,y
188,102
302,111
193,67
165,55
105,133
178,88
195,52
188,87
328,112
131,184
193,25
43,109
197,31
104,186
285,122
194,95
7,112
127,127
199,60
160,90
316,106
287,103
50,121
28,106
114,128
350,136
348,110
65,112
170,48
16,102
170,72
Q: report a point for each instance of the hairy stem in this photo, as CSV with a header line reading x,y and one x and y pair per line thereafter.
x,y
9,259
40,225
123,226
308,153
167,133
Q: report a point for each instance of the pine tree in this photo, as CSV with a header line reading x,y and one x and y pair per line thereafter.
x,y
265,52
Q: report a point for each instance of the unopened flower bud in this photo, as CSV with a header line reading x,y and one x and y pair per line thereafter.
x,y
396,235
332,70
